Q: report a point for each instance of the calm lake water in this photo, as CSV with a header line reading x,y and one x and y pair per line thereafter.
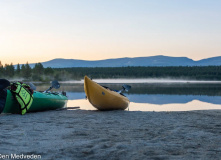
x,y
152,95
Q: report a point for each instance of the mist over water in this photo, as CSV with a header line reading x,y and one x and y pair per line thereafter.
x,y
170,96
145,80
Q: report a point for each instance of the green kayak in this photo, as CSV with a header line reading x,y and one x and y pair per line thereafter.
x,y
41,102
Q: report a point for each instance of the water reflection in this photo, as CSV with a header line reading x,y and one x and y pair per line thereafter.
x,y
168,99
156,96
193,105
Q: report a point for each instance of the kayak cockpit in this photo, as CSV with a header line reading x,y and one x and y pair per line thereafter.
x,y
113,90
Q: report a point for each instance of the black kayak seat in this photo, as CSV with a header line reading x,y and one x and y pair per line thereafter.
x,y
3,96
4,83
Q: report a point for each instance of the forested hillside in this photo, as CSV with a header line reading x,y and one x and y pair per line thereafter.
x,y
39,73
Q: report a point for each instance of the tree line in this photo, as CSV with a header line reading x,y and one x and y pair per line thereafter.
x,y
25,72
39,73
178,72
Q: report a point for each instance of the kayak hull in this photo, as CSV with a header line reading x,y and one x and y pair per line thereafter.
x,y
102,98
41,102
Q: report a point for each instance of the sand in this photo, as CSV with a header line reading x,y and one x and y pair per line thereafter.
x,y
82,134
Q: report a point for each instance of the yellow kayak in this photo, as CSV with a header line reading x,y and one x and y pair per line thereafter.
x,y
103,98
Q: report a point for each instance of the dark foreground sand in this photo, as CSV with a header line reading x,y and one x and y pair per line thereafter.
x,y
81,134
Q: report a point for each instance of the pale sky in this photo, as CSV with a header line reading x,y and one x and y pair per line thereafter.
x,y
41,30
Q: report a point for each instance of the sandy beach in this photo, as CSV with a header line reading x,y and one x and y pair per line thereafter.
x,y
84,134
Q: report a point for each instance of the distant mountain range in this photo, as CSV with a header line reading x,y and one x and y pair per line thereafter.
x,y
138,61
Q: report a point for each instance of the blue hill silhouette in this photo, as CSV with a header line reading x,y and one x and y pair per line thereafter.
x,y
137,61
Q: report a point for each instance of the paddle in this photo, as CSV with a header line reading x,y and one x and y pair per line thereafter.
x,y
125,88
32,86
54,84
66,108
4,83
